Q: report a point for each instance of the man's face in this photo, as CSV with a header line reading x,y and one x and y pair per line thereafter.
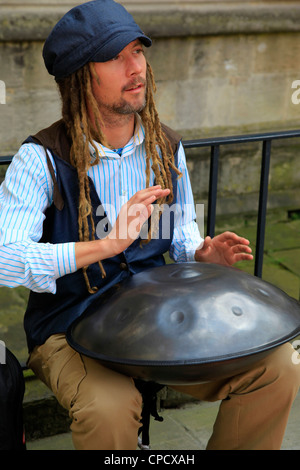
x,y
122,82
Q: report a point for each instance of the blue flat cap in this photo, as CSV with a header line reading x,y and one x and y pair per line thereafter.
x,y
95,31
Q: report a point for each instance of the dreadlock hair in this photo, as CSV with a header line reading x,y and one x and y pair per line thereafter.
x,y
83,122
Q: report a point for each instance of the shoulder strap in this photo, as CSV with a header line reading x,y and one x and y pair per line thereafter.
x,y
55,139
173,137
57,197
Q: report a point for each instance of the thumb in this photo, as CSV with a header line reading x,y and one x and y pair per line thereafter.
x,y
206,243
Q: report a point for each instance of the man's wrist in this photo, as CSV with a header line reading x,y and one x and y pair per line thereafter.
x,y
90,252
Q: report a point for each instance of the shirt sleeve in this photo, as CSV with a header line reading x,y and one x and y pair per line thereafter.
x,y
25,194
186,238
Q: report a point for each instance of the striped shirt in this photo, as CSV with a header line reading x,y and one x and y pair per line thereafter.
x,y
28,191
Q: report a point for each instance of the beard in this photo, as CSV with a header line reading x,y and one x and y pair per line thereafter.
x,y
124,107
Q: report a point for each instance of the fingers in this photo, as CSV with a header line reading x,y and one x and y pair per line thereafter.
x,y
206,244
241,249
232,238
132,216
242,257
141,203
149,195
241,253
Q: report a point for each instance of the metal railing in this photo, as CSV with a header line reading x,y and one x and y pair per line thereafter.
x,y
215,144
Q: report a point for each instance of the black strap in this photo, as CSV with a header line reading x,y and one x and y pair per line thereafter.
x,y
57,198
148,391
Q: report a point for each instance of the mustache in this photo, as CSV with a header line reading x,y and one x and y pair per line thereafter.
x,y
134,83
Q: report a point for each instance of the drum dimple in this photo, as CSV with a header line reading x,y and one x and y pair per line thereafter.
x,y
177,317
263,292
184,274
237,310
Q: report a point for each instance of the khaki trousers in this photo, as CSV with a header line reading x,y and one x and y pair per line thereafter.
x,y
105,406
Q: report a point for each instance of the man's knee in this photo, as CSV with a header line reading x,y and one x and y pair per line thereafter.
x,y
288,365
282,369
107,422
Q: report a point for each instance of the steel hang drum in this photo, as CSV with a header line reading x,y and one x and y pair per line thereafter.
x,y
186,323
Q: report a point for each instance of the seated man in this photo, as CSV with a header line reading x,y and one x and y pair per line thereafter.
x,y
73,204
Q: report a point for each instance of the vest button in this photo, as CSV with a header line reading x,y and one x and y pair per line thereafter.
x,y
124,266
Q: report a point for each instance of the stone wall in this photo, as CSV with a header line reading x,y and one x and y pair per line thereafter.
x,y
221,68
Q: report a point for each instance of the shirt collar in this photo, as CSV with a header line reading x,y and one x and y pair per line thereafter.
x,y
136,140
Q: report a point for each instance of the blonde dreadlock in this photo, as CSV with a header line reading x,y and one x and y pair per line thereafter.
x,y
78,106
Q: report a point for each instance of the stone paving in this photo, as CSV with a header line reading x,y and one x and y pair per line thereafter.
x,y
185,428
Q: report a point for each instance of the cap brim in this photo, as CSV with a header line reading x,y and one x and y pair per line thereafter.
x,y
117,44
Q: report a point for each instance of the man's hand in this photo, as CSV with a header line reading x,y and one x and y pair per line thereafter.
x,y
227,249
127,228
132,216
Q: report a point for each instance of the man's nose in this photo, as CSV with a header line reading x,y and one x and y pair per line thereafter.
x,y
134,66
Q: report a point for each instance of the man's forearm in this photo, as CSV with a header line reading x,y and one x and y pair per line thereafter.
x,y
90,252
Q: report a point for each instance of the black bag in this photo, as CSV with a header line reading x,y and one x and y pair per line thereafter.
x,y
12,388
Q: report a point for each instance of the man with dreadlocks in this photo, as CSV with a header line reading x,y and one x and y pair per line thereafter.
x,y
73,205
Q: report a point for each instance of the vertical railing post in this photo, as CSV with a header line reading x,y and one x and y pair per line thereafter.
x,y
262,207
212,195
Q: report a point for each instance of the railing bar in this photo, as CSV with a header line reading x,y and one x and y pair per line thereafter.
x,y
212,195
5,160
235,139
262,207
240,139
